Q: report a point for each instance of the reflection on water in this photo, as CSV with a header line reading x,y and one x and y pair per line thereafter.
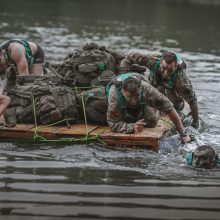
x,y
73,180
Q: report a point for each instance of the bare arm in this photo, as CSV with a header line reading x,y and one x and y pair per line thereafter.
x,y
185,90
174,117
18,56
195,114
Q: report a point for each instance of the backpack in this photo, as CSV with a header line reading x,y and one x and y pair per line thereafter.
x,y
95,104
43,99
18,88
81,67
53,102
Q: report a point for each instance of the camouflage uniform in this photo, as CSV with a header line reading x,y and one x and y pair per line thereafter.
x,y
120,122
182,87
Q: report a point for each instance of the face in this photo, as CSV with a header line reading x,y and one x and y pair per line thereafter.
x,y
202,161
132,98
167,70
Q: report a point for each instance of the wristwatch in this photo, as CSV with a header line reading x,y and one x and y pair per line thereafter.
x,y
183,134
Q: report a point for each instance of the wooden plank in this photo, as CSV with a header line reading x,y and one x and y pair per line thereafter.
x,y
149,137
46,132
18,128
75,130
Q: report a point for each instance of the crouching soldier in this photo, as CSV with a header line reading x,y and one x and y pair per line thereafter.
x,y
134,104
168,75
203,157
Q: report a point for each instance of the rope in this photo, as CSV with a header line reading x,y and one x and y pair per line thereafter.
x,y
37,137
35,118
84,112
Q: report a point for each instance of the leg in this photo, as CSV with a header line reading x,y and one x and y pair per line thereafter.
x,y
151,117
4,102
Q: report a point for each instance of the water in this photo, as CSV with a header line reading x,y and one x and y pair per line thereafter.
x,y
91,182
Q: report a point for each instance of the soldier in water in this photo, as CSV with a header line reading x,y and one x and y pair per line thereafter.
x,y
134,104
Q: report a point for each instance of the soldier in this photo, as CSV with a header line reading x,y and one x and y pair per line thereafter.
x,y
132,104
168,75
204,156
27,57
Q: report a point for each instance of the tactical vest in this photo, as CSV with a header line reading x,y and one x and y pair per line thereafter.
x,y
117,82
95,104
169,84
82,67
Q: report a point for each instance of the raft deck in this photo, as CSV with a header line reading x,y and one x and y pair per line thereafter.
x,y
148,138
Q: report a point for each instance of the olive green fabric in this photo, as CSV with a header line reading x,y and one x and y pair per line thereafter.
x,y
95,103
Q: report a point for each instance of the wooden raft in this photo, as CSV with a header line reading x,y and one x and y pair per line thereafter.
x,y
149,138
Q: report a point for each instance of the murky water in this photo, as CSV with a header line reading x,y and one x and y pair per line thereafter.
x,y
89,181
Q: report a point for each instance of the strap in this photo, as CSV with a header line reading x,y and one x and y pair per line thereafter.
x,y
154,70
169,83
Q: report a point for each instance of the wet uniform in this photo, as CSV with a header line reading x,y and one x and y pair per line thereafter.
x,y
176,89
123,122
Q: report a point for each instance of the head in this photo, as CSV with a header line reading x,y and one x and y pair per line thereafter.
x,y
131,90
203,157
168,65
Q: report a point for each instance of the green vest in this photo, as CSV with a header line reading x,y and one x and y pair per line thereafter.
x,y
153,72
121,99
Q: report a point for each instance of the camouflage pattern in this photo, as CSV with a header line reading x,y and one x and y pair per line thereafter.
x,y
154,101
82,66
182,88
95,103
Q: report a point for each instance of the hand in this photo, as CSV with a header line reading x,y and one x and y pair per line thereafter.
x,y
185,139
195,124
139,126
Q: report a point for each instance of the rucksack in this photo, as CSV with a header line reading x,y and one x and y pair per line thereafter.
x,y
44,100
81,67
95,104
54,102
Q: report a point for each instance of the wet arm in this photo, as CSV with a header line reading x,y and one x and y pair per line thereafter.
x,y
174,117
19,58
195,113
185,90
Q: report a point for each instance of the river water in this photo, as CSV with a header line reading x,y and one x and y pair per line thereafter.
x,y
42,181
